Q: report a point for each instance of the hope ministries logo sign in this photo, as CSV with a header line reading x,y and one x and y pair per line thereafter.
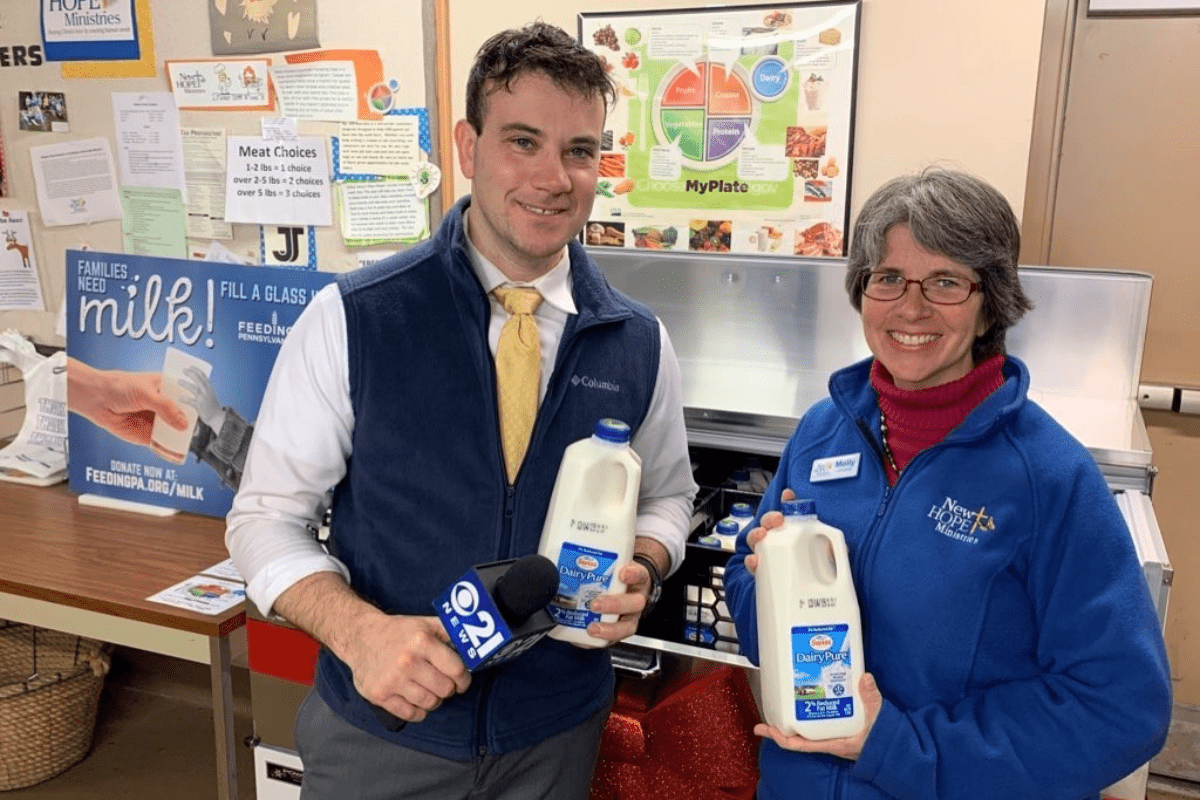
x,y
89,30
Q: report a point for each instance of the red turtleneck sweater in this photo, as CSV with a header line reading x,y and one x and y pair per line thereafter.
x,y
920,418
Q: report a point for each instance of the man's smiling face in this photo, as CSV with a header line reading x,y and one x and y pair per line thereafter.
x,y
533,171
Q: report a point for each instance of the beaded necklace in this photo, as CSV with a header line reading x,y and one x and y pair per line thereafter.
x,y
887,451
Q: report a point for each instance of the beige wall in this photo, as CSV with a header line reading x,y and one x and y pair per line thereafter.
x,y
946,81
1175,439
1083,212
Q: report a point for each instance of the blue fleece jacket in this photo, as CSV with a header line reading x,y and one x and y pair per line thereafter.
x,y
1005,615
425,495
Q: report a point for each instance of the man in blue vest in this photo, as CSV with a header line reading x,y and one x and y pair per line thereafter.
x,y
386,390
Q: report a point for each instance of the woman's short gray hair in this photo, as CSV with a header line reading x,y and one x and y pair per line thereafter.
x,y
956,215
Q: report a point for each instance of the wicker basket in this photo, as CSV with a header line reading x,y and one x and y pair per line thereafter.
x,y
50,686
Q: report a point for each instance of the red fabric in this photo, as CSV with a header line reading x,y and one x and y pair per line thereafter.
x,y
281,652
695,743
918,419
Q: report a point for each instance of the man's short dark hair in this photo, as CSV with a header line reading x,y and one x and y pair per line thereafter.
x,y
537,47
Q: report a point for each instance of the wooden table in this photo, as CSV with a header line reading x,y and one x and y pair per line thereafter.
x,y
88,571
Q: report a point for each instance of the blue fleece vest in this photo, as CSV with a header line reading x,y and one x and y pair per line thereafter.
x,y
425,496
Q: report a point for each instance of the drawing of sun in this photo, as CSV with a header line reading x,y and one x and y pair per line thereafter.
x,y
258,10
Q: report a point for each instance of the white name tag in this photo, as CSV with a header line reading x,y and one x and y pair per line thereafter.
x,y
835,468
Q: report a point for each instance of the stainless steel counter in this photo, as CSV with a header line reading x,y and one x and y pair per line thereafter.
x,y
757,339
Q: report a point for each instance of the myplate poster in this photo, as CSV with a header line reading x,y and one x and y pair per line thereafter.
x,y
732,131
202,334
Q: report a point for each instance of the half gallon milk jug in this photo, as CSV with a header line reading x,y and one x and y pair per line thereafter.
x,y
809,631
589,528
743,514
725,534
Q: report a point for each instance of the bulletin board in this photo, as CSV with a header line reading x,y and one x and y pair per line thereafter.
x,y
232,68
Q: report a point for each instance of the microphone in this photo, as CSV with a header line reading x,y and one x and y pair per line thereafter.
x,y
497,611
494,613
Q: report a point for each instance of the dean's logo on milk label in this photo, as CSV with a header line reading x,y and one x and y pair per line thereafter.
x,y
587,562
820,642
958,522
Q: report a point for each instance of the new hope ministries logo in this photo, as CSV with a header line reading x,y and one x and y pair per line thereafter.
x,y
958,522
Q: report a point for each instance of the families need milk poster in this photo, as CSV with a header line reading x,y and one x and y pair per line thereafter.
x,y
133,318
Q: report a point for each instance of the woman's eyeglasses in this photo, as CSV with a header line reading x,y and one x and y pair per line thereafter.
x,y
944,290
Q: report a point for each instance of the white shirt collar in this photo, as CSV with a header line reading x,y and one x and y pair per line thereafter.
x,y
554,286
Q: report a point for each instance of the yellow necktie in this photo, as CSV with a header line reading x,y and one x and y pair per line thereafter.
x,y
518,370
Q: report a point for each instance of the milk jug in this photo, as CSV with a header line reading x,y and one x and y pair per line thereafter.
x,y
724,535
809,631
742,514
589,528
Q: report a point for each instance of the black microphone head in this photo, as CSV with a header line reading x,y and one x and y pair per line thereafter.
x,y
525,588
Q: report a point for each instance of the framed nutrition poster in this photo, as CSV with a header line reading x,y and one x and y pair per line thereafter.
x,y
732,130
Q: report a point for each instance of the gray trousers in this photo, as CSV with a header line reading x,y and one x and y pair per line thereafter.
x,y
342,762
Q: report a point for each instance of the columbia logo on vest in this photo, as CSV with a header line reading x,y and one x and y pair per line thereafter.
x,y
594,383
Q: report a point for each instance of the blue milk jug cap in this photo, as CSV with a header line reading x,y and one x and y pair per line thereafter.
x,y
741,510
612,430
727,527
792,508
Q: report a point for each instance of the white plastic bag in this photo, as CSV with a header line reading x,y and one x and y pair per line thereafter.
x,y
39,453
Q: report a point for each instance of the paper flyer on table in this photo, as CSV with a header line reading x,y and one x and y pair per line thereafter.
x,y
225,570
202,594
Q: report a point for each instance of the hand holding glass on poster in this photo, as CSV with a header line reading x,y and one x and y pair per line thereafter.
x,y
129,405
169,442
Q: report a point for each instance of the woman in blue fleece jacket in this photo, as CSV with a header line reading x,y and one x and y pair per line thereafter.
x,y
1012,647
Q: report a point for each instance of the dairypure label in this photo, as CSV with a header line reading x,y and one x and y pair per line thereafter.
x,y
584,573
821,659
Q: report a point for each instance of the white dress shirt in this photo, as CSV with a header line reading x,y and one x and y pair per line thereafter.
x,y
303,433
